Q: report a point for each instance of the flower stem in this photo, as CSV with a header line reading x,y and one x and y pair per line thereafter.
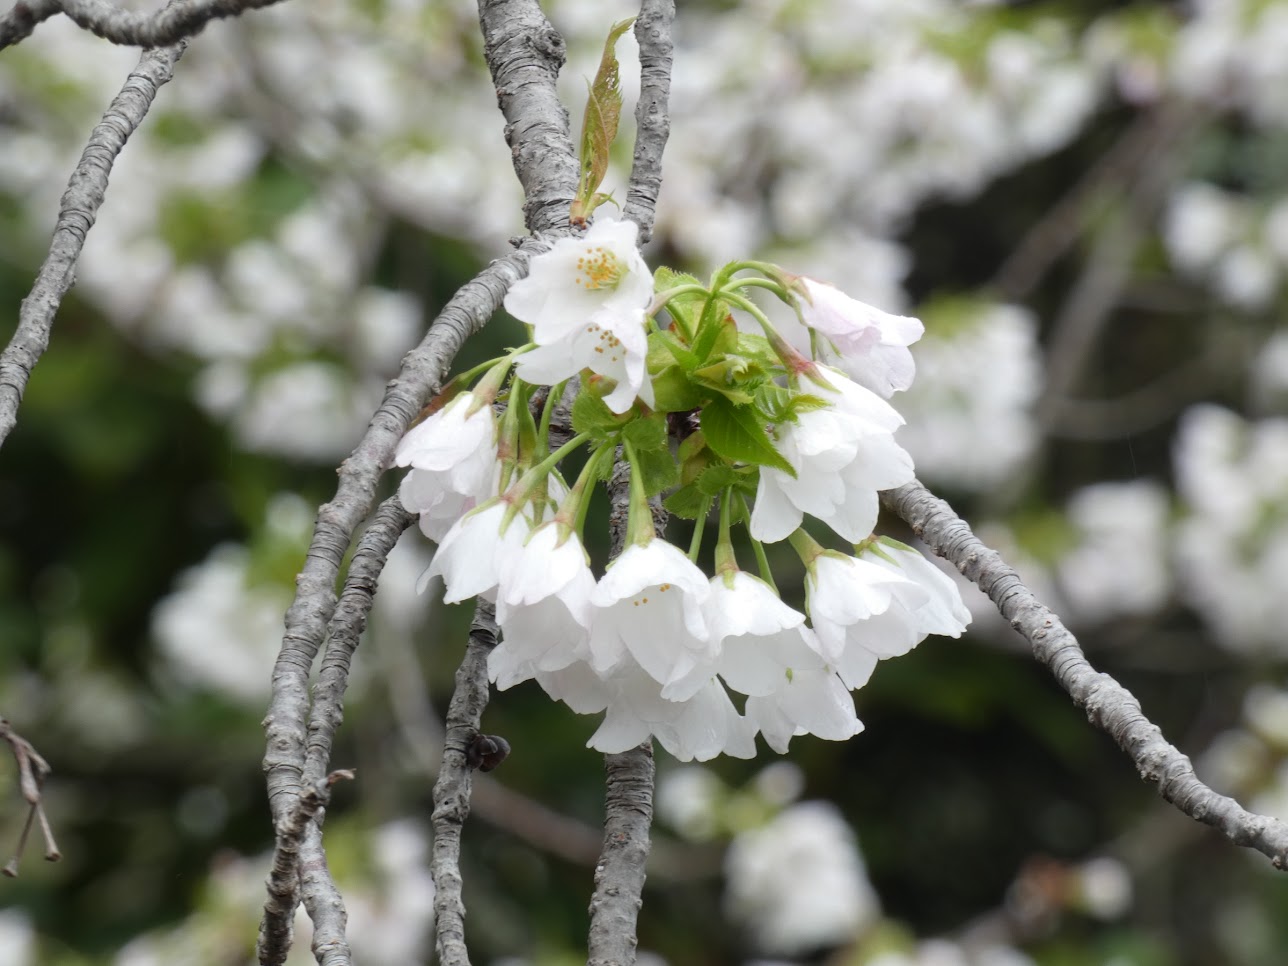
x,y
726,560
699,525
793,360
806,546
507,360
519,494
758,548
639,520
548,412
754,282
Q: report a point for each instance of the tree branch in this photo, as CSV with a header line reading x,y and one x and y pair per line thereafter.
x,y
619,876
524,53
423,371
345,631
452,790
1109,706
178,21
628,798
77,212
318,891
652,115
275,930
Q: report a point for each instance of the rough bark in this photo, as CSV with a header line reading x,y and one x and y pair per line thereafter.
x,y
77,213
452,790
1108,705
652,116
178,21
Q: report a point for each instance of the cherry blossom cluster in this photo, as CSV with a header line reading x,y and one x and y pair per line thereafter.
x,y
738,427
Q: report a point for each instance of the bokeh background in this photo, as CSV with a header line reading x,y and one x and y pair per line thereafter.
x,y
1087,203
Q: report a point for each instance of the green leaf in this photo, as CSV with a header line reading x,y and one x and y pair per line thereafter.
x,y
687,502
591,415
672,345
658,469
738,434
774,401
674,393
716,479
716,334
694,457
734,394
646,433
599,127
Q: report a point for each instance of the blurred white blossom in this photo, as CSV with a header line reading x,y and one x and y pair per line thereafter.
x,y
799,883
1232,545
969,422
1119,567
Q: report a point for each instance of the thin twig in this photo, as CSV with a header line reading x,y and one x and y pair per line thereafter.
x,y
452,790
652,114
178,21
524,53
1108,705
77,213
32,771
275,931
322,900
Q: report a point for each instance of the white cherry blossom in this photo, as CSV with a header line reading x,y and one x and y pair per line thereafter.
x,y
453,460
614,347
935,607
871,346
585,301
547,634
842,455
470,554
597,277
648,610
843,592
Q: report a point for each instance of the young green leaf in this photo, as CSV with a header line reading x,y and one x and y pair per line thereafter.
x,y
599,128
647,433
686,502
591,415
658,469
673,392
738,434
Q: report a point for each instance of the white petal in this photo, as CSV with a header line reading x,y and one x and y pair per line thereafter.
x,y
773,516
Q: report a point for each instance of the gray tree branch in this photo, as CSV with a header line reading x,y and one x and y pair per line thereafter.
x,y
524,53
1109,706
77,213
652,115
423,371
628,798
315,887
452,790
178,21
275,931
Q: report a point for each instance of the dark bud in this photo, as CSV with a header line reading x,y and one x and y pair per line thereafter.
x,y
485,752
683,425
